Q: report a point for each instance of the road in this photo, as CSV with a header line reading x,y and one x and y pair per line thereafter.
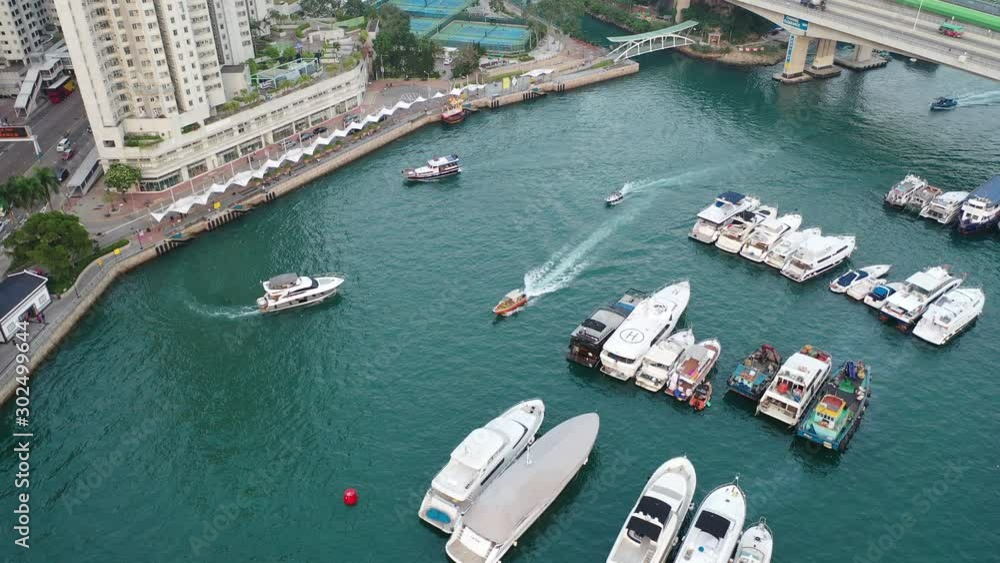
x,y
50,123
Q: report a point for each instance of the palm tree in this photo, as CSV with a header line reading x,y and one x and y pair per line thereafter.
x,y
17,191
47,183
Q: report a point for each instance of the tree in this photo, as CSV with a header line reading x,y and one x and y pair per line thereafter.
x,y
400,52
46,183
466,60
272,52
55,240
121,177
18,191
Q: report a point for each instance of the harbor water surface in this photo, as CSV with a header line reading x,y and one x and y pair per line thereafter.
x,y
177,424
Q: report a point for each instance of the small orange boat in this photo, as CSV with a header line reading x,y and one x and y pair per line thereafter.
x,y
702,395
511,303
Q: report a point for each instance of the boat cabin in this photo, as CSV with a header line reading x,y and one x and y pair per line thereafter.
x,y
648,520
791,390
473,462
725,206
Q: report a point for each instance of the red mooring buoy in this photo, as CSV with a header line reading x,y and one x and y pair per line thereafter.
x,y
350,497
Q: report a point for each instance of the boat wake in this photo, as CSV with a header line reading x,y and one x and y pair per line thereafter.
x,y
566,264
642,185
981,99
222,312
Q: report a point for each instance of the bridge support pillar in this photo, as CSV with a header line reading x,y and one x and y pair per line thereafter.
x,y
795,61
863,58
679,7
822,65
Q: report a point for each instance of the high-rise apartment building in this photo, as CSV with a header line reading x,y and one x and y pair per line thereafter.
x,y
259,9
23,30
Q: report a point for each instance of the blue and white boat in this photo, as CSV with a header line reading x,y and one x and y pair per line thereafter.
x,y
944,104
723,210
981,211
753,375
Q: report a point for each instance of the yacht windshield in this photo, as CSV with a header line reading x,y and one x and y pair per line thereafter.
x,y
596,326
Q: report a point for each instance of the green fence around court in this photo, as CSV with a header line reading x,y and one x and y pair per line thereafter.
x,y
960,13
494,38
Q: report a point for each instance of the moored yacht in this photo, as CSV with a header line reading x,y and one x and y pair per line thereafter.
x,y
435,169
693,368
662,358
945,208
900,194
788,244
738,231
881,293
767,234
288,291
922,197
587,341
817,256
982,210
836,413
481,457
789,394
658,315
509,506
716,527
756,544
846,281
713,218
907,305
949,315
654,522
860,289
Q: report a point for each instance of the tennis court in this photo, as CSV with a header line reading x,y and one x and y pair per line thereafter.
x,y
492,37
421,26
427,15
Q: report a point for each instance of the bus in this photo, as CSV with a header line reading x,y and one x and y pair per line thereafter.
x,y
951,29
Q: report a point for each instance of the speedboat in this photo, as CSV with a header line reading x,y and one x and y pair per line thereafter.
x,y
481,457
881,293
788,244
435,169
900,194
982,210
755,372
615,198
789,394
716,527
906,306
511,303
945,208
949,315
713,218
655,521
756,544
288,291
944,104
767,234
662,358
692,368
509,506
847,280
587,341
702,396
922,197
738,231
656,316
835,417
817,256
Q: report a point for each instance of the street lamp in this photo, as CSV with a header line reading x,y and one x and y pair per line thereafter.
x,y
920,7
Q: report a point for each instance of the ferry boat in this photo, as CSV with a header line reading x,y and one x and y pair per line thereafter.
x,y
587,341
693,368
509,506
755,373
945,208
881,293
800,377
788,245
906,306
435,169
658,315
922,197
756,544
511,303
738,231
846,281
950,315
655,521
713,218
767,234
944,104
817,256
481,457
900,194
982,210
661,359
288,291
835,416
716,527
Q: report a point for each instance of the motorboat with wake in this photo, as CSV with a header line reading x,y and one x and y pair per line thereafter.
x,y
435,169
615,198
656,316
716,527
655,521
945,208
511,303
587,341
981,211
661,359
800,377
881,293
950,315
755,373
767,234
836,414
780,252
756,544
481,457
288,291
906,306
944,104
847,280
516,499
818,256
693,368
900,193
713,218
738,231
922,197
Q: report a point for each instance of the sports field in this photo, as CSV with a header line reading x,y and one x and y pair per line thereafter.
x,y
492,37
426,16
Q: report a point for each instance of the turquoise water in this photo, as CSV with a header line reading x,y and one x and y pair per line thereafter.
x,y
178,425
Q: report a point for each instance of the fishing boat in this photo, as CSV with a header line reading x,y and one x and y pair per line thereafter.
x,y
288,291
800,377
905,307
817,256
651,529
587,341
716,527
922,197
767,234
614,199
702,396
692,368
435,169
455,113
944,104
511,303
662,358
481,457
950,315
945,208
658,315
846,281
756,544
713,218
841,402
787,245
738,231
981,211
755,373
900,193
879,294
508,507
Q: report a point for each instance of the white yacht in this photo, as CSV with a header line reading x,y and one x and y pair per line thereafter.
x,y
817,256
949,315
622,355
481,457
879,294
654,522
692,368
907,305
922,197
767,234
738,231
788,396
662,358
945,208
901,193
756,544
509,506
288,291
846,281
713,218
788,244
716,527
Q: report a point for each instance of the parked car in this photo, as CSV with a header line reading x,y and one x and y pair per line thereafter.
x,y
305,137
351,119
320,130
62,174
447,61
287,144
63,145
68,153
